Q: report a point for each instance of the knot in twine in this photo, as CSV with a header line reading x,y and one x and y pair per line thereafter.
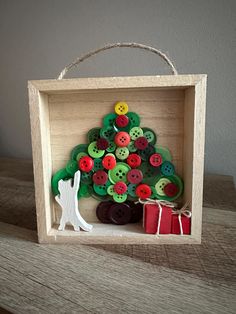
x,y
182,211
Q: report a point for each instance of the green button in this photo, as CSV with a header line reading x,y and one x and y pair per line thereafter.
x,y
167,168
122,153
108,132
147,152
135,132
94,151
97,164
109,119
80,155
159,186
134,119
174,179
131,147
150,135
72,167
93,135
164,151
119,198
61,174
119,172
111,147
149,173
84,191
131,190
87,177
101,189
110,190
78,149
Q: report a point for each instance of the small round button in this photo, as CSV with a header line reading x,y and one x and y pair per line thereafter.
x,y
167,168
119,198
160,185
97,164
137,211
134,160
72,167
87,177
134,119
111,147
135,176
119,172
120,214
84,191
93,134
102,143
86,163
171,189
109,162
107,132
120,187
132,189
141,143
110,190
109,119
121,108
94,151
100,177
131,147
150,135
102,211
143,191
122,153
101,189
122,139
135,132
122,121
155,160
78,149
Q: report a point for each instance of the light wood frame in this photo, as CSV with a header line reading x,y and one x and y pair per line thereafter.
x,y
60,108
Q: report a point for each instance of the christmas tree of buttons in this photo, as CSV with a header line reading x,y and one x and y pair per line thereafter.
x,y
121,163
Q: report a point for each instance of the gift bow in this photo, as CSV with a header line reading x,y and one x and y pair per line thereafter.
x,y
182,211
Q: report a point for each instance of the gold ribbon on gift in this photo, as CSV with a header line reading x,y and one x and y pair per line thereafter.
x,y
159,203
182,211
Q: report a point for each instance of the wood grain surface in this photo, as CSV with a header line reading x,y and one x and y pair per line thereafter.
x,y
109,278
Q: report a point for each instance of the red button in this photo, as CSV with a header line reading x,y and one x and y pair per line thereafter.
x,y
141,143
171,189
143,191
135,176
134,160
122,121
122,139
109,162
155,160
120,187
100,177
102,143
86,163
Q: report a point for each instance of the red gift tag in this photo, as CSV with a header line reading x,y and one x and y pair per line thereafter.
x,y
152,217
175,224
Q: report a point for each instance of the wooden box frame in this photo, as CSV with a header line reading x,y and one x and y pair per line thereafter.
x,y
181,98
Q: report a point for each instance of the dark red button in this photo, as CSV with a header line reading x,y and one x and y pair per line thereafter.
x,y
134,160
109,162
143,191
122,139
100,177
102,211
122,121
120,187
86,163
137,211
155,160
141,143
135,176
102,143
120,214
171,189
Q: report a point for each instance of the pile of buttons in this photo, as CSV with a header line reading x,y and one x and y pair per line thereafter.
x,y
122,162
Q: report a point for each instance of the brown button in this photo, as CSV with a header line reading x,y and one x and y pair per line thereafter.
x,y
102,211
136,210
120,214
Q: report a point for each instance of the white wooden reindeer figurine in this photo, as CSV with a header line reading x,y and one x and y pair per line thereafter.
x,y
68,201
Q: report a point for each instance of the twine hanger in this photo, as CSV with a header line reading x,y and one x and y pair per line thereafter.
x,y
79,60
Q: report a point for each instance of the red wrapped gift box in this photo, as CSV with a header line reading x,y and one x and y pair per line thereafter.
x,y
152,216
176,224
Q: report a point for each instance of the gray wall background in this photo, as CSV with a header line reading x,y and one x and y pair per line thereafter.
x,y
38,38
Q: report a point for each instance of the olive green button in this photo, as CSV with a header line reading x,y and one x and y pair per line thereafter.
x,y
149,173
78,149
94,151
97,164
108,132
80,155
110,190
131,147
131,190
122,153
119,198
111,147
61,174
119,172
135,132
87,177
101,189
150,135
164,152
159,186
174,179
109,119
93,135
72,167
134,119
